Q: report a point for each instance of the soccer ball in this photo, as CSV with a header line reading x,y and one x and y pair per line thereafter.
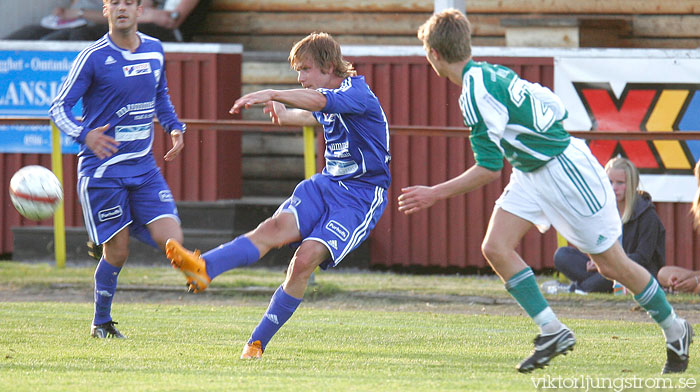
x,y
36,192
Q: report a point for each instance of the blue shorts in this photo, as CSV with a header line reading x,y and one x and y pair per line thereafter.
x,y
111,204
338,214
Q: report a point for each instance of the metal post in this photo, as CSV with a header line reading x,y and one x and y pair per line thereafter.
x,y
59,222
440,5
309,152
310,169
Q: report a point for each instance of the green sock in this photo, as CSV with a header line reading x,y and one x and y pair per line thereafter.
x,y
653,300
523,287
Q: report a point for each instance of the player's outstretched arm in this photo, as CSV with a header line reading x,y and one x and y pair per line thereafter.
x,y
281,115
306,99
417,198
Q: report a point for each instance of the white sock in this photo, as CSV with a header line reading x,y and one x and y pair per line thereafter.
x,y
548,322
551,327
672,327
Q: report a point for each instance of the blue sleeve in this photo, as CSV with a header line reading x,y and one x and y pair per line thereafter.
x,y
347,99
165,111
73,88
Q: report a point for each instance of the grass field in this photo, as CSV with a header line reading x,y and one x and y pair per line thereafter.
x,y
450,337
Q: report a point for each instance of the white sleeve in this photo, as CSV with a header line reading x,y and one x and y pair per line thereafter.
x,y
546,96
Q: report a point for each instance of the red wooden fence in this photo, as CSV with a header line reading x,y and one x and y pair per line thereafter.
x,y
448,235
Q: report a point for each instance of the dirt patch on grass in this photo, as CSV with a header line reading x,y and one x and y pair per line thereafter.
x,y
566,306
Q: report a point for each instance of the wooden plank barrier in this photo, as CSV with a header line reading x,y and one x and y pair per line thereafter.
x,y
276,24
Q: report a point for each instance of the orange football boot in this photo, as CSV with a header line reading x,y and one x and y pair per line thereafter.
x,y
252,350
190,263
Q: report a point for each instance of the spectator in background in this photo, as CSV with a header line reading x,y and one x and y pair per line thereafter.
x,y
83,20
173,20
643,234
679,279
68,16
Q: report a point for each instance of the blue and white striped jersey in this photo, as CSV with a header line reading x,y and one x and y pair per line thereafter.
x,y
123,89
357,134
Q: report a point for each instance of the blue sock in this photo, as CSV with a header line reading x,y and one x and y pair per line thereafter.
x,y
282,306
105,286
237,253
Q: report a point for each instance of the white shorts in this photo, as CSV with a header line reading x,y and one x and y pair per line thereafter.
x,y
571,192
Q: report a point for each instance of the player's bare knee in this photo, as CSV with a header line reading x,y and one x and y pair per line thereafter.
x,y
300,269
116,257
270,232
492,251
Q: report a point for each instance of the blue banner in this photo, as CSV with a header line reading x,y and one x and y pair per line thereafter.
x,y
32,139
29,81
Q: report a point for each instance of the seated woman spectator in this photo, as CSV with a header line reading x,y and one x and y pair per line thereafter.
x,y
643,234
679,279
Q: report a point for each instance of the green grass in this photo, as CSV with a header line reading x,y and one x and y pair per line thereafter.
x,y
325,346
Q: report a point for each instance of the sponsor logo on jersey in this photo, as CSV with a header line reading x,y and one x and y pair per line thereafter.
x,y
338,229
333,244
126,133
165,196
137,108
340,168
340,150
136,69
110,213
110,60
329,117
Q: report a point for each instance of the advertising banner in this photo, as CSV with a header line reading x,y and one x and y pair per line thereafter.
x,y
29,81
637,94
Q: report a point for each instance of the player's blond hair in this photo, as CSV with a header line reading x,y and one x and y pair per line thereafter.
x,y
631,182
324,51
449,33
695,209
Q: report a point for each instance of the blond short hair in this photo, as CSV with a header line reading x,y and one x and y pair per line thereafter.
x,y
324,51
449,33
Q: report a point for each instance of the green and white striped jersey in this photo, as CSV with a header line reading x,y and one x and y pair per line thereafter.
x,y
510,117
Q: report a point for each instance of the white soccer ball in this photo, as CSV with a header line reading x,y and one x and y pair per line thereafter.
x,y
36,192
